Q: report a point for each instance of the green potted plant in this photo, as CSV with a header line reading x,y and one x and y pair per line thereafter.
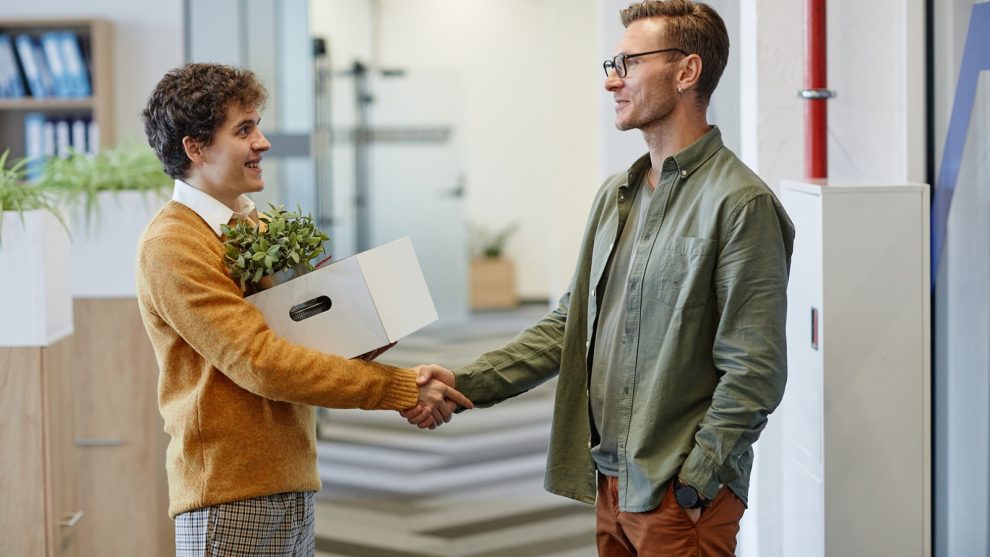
x,y
283,246
112,196
493,276
34,262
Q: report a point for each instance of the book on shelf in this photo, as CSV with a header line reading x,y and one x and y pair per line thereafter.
x,y
78,140
51,65
34,144
30,64
50,135
75,65
11,84
51,43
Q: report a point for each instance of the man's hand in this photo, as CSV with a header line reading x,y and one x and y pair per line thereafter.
x,y
438,398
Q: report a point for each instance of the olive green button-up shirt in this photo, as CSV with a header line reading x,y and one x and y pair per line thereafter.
x,y
705,352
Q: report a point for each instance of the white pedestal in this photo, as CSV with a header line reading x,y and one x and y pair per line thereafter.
x,y
104,243
35,298
856,414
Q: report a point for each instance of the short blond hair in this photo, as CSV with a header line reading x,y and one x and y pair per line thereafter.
x,y
694,27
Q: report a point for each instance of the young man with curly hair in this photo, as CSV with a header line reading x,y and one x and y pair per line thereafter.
x,y
669,343
236,399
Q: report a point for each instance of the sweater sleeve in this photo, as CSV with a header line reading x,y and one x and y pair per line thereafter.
x,y
204,306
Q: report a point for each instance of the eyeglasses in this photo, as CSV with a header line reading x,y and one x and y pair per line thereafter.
x,y
618,63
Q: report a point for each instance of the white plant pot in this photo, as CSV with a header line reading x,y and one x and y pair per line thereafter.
x,y
104,243
35,293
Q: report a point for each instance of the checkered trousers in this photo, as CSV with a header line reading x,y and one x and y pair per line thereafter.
x,y
280,525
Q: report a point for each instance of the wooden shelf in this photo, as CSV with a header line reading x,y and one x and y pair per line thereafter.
x,y
29,104
96,41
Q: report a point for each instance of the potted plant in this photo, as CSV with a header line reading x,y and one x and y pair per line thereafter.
x,y
280,248
34,262
112,196
493,276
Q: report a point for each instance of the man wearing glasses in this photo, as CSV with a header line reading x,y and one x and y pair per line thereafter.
x,y
670,342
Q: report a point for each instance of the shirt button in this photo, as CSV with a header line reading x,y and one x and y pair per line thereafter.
x,y
622,198
684,174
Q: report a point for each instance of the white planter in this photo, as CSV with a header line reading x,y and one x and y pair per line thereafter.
x,y
104,243
35,296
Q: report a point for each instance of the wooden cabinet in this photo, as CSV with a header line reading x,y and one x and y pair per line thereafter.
x,y
857,412
96,39
40,514
119,436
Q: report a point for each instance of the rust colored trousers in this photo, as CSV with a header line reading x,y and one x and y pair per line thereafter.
x,y
666,530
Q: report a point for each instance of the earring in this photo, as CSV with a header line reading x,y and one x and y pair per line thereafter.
x,y
680,91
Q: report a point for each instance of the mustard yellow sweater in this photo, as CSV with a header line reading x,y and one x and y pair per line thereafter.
x,y
237,399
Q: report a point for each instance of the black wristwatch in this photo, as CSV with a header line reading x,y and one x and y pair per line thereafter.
x,y
687,496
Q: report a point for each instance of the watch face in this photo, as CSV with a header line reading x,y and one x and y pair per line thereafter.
x,y
686,496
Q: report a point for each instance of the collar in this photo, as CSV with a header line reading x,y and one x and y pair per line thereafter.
x,y
685,163
213,212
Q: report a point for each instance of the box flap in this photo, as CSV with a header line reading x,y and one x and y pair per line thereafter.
x,y
396,283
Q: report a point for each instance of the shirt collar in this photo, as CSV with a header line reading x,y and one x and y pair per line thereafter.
x,y
686,162
213,212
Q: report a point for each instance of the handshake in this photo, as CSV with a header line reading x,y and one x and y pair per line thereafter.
x,y
437,397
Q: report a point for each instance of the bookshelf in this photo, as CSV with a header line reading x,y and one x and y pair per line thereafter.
x,y
95,38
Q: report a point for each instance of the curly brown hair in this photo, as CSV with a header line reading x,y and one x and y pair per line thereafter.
x,y
192,101
694,27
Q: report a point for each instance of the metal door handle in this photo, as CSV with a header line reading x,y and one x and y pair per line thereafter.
x,y
72,520
98,442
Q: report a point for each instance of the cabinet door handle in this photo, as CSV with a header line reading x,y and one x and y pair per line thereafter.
x,y
98,442
72,520
814,328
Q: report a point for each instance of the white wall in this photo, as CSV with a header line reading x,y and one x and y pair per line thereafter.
x,y
876,63
530,81
147,43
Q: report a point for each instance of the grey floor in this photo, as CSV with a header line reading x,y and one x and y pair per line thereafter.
x,y
473,488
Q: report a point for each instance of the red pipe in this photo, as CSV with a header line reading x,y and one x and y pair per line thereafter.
x,y
816,109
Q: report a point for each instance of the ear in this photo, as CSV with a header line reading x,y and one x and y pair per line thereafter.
x,y
193,150
689,72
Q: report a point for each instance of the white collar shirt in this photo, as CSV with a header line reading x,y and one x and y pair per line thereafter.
x,y
212,211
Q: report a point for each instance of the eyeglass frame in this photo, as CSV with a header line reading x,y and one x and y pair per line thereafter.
x,y
610,62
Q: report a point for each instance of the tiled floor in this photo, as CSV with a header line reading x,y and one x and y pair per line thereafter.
x,y
471,488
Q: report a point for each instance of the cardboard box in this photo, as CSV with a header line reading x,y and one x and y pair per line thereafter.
x,y
35,291
354,305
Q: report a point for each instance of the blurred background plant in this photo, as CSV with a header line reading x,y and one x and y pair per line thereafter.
x,y
17,195
486,242
79,179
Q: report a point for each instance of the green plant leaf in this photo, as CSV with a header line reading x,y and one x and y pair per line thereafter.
x,y
289,239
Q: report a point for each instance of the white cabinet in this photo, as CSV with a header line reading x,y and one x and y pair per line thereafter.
x,y
857,410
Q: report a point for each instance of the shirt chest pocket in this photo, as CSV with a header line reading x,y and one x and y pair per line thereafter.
x,y
682,272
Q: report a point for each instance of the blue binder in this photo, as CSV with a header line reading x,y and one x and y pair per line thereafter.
x,y
75,65
34,144
29,62
10,73
51,44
